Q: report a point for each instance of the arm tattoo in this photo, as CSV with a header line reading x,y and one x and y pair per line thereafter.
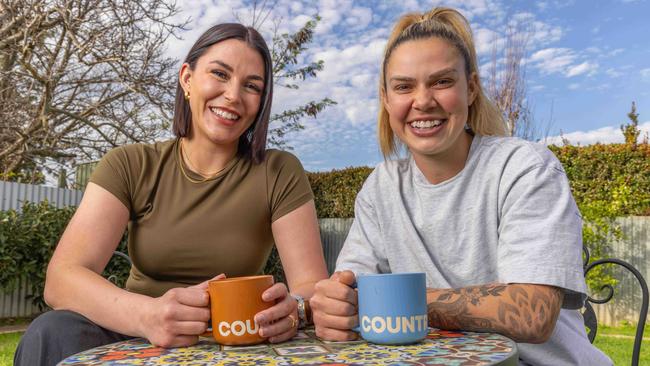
x,y
522,312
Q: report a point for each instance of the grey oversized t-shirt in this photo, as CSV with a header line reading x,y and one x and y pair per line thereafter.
x,y
507,217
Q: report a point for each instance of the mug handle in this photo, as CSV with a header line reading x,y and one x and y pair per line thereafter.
x,y
356,329
208,332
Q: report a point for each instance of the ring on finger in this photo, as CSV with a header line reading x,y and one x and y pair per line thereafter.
x,y
294,322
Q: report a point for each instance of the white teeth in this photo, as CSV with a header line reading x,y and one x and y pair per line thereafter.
x,y
224,114
426,124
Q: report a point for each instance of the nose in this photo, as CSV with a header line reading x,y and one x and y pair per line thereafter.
x,y
424,99
231,93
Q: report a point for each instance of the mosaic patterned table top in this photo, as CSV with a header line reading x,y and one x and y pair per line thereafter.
x,y
439,348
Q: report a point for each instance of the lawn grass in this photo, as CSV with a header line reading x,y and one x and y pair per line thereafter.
x,y
8,344
618,349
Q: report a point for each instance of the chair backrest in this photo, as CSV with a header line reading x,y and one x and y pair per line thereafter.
x,y
590,315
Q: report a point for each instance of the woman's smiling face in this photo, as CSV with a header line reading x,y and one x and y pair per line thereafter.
x,y
427,97
225,90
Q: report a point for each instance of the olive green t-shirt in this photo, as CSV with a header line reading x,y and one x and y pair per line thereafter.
x,y
182,233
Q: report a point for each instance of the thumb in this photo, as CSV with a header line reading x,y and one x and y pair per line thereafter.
x,y
204,285
344,277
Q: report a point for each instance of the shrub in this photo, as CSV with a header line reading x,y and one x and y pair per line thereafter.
x,y
335,191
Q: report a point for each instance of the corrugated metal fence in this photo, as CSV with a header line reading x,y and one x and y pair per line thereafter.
x,y
625,306
12,195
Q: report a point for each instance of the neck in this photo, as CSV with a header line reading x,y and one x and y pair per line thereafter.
x,y
441,167
205,157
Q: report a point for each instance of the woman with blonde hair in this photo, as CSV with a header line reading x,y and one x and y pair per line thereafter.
x,y
490,219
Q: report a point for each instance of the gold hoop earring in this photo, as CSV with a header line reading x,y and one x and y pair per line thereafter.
x,y
187,95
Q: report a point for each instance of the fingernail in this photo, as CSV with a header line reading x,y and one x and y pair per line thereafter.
x,y
259,319
262,332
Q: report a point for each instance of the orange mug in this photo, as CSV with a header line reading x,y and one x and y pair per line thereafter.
x,y
233,305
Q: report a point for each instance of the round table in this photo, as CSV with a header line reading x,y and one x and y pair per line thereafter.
x,y
439,348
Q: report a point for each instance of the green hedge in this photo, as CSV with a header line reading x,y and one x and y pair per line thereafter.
x,y
614,173
607,181
606,173
334,191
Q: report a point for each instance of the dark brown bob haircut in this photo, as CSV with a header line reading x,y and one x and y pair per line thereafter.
x,y
252,143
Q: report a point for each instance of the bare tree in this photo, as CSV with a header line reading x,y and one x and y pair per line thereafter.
x,y
506,82
78,77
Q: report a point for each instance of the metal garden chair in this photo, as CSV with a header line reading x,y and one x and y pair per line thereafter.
x,y
590,315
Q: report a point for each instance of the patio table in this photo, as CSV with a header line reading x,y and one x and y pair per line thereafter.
x,y
439,348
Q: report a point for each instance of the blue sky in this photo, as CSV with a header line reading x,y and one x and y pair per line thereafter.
x,y
586,62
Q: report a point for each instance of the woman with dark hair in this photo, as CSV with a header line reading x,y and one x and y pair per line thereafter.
x,y
208,204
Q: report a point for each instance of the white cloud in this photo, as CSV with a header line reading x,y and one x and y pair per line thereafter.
x,y
604,135
553,60
645,74
611,72
574,86
585,67
484,40
616,51
562,61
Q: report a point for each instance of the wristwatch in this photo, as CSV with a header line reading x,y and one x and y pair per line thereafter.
x,y
302,313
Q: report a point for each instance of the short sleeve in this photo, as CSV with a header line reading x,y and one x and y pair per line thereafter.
x,y
112,174
540,234
363,251
288,186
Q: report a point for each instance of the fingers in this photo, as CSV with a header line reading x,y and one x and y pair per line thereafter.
x,y
278,330
292,330
335,321
178,312
334,289
344,277
333,306
335,334
285,306
204,285
190,327
191,296
275,292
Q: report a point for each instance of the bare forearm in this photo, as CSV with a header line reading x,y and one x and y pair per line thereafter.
x,y
81,290
523,312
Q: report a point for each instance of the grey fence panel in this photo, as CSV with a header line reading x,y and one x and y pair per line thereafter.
x,y
14,304
635,249
12,195
333,233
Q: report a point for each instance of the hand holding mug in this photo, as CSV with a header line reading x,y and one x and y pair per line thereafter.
x,y
178,317
280,322
335,307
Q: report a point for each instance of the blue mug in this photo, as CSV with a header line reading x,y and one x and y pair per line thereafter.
x,y
392,307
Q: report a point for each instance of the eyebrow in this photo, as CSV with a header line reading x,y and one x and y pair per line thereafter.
x,y
436,74
230,69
